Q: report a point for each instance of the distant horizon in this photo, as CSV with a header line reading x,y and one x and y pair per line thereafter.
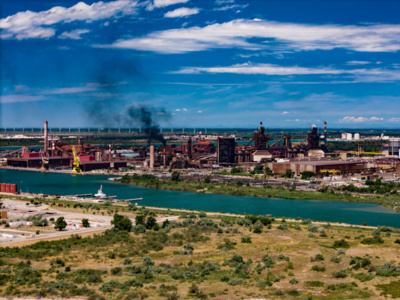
x,y
190,63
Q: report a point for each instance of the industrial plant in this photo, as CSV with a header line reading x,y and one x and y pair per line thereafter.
x,y
207,152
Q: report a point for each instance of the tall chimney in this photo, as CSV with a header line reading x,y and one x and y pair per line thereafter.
x,y
46,137
325,131
151,156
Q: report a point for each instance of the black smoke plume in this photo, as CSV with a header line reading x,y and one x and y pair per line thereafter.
x,y
148,118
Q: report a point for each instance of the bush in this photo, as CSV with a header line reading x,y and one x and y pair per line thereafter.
x,y
268,261
341,251
372,241
297,227
235,281
341,244
340,274
127,261
335,259
314,283
293,281
318,269
363,277
318,257
246,239
257,230
147,262
282,227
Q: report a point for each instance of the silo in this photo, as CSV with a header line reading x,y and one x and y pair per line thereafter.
x,y
344,136
349,136
356,136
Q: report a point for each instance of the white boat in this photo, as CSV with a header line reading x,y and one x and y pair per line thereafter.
x,y
100,193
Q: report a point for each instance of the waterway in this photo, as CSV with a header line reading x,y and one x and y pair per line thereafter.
x,y
331,211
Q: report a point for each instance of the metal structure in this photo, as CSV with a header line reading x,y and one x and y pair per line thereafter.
x,y
226,150
76,166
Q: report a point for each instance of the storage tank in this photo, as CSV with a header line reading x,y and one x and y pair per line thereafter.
x,y
344,136
349,137
13,188
7,187
356,136
3,187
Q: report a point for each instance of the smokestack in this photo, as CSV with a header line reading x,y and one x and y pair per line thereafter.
x,y
109,151
325,131
53,145
46,136
151,156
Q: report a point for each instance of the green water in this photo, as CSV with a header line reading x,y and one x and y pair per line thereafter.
x,y
332,211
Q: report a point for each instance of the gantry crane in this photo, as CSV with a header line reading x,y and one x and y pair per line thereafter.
x,y
76,166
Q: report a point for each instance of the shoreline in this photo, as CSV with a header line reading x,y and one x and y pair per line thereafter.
x,y
259,192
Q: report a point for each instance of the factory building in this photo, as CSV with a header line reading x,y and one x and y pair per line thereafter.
x,y
319,166
392,147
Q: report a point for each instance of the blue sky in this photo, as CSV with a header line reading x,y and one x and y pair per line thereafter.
x,y
220,63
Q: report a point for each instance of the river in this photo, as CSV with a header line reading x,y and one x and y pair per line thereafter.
x,y
332,211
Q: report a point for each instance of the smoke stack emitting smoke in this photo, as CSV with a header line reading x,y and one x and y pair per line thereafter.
x,y
124,74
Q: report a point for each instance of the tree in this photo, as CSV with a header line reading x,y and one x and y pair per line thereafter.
x,y
207,179
60,224
259,169
288,173
140,219
175,176
151,221
268,171
239,183
121,222
85,223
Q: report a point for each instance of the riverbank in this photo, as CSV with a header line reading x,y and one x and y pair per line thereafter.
x,y
222,188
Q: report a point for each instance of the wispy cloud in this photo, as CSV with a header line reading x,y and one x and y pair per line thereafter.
x,y
360,119
359,75
74,34
89,87
272,35
182,12
164,3
233,6
28,24
20,98
357,62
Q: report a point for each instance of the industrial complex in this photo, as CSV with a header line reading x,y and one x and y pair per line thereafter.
x,y
209,152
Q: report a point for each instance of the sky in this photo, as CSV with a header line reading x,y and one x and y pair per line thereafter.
x,y
200,63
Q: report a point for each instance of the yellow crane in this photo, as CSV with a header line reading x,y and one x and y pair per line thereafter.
x,y
362,152
76,166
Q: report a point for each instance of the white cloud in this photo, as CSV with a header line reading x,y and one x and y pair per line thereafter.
x,y
285,113
164,3
184,109
89,87
74,34
182,12
292,36
359,119
199,111
20,98
359,75
28,24
395,120
177,109
357,62
234,6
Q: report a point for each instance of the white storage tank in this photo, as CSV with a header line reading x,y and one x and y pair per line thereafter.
x,y
344,136
356,136
349,136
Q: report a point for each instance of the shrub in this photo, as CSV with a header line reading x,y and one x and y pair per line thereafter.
x,y
235,281
117,271
297,227
147,261
224,278
335,259
127,261
257,230
341,244
363,277
340,274
246,239
312,228
318,269
121,222
282,227
283,257
318,257
268,261
314,283
341,251
372,241
293,281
